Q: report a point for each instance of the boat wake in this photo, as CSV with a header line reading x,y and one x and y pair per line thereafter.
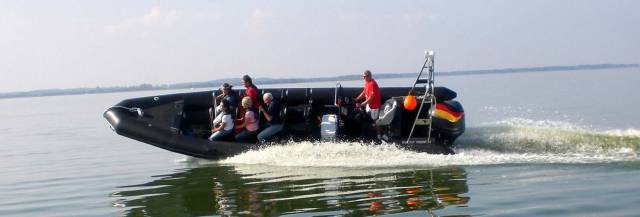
x,y
512,141
517,135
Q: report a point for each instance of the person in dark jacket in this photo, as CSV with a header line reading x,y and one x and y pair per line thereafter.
x,y
227,93
272,115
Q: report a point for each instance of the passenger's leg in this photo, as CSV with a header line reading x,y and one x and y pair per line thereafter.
x,y
218,135
381,130
241,136
264,134
269,132
245,136
214,136
374,115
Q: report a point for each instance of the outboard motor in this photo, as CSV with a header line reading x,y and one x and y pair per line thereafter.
x,y
329,127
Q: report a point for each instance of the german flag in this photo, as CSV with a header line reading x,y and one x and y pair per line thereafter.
x,y
442,111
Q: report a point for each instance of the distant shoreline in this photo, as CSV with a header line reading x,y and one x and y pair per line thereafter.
x,y
234,81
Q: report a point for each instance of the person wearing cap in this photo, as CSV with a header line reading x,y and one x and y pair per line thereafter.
x,y
228,94
251,91
372,99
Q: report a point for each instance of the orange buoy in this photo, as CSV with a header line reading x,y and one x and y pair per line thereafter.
x,y
410,103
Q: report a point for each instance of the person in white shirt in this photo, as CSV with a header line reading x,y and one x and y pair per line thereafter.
x,y
223,123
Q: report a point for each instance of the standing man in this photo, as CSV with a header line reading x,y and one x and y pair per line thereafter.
x,y
251,91
372,99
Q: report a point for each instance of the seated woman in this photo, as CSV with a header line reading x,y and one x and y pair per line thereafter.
x,y
223,124
249,124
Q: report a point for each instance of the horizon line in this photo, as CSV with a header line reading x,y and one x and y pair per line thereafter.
x,y
268,80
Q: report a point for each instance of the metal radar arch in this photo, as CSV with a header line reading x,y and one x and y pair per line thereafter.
x,y
426,79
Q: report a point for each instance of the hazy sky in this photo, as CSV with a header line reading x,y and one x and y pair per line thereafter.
x,y
64,44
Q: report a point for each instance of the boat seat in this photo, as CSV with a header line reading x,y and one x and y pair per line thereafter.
x,y
283,114
388,112
175,112
283,95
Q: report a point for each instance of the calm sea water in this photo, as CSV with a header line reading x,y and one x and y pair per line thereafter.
x,y
537,144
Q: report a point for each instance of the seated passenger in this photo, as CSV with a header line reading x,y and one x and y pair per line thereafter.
x,y
249,124
272,115
228,94
223,123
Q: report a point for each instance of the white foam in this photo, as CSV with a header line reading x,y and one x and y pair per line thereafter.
x,y
548,124
307,154
631,132
339,154
510,141
531,136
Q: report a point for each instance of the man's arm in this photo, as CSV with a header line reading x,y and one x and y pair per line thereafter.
x,y
242,125
216,129
360,96
265,113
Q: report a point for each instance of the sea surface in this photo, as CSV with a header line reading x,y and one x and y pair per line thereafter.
x,y
559,143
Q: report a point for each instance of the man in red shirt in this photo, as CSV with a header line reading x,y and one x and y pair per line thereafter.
x,y
251,91
372,99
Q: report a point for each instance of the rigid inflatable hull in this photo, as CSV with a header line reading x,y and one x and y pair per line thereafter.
x,y
174,122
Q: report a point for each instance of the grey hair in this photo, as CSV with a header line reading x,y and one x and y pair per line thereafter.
x,y
268,96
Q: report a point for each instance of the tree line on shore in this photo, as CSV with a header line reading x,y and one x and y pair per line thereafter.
x,y
218,82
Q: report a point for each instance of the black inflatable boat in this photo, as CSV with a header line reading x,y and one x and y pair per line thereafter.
x,y
181,122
